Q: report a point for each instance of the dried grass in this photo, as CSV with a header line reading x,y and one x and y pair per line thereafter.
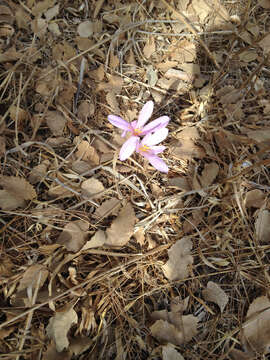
x,y
115,290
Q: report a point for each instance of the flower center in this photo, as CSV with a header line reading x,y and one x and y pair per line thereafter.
x,y
144,148
137,132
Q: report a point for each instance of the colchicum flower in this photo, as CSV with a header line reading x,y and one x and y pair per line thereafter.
x,y
148,148
137,128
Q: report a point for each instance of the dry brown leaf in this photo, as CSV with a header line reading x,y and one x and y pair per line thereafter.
x,y
130,60
182,51
114,84
60,190
256,332
265,43
211,12
85,29
98,74
262,135
177,335
52,354
166,65
179,182
254,198
59,326
63,52
180,258
187,150
140,236
87,152
86,109
122,228
248,56
209,174
52,12
170,353
54,28
179,74
173,84
6,15
79,345
16,191
92,187
42,6
39,27
149,47
97,240
56,122
59,141
38,173
74,235
262,226
2,146
112,102
81,167
18,113
264,3
114,61
235,354
22,18
229,95
215,294
35,275
108,207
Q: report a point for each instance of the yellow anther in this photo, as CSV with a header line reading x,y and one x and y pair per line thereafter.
x,y
137,131
144,148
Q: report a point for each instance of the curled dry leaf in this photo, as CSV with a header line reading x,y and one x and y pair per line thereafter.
x,y
262,226
59,326
215,294
74,235
176,268
87,153
35,275
56,122
170,353
122,227
16,191
256,331
178,331
92,187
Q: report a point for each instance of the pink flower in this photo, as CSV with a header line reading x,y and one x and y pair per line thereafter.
x,y
137,128
149,149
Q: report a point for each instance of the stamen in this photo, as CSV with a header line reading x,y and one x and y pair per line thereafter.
x,y
144,148
137,131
